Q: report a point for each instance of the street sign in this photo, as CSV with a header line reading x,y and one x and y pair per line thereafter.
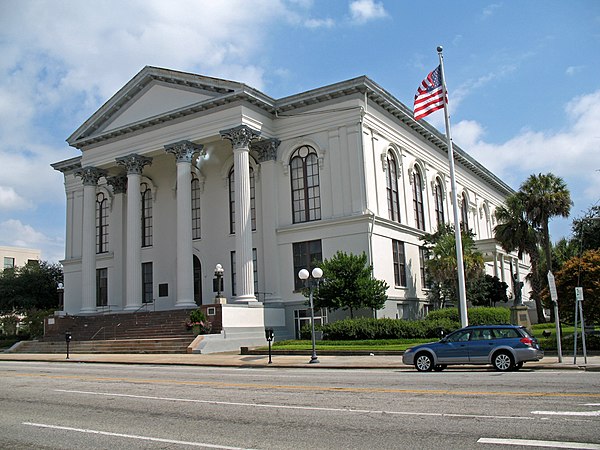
x,y
579,294
552,286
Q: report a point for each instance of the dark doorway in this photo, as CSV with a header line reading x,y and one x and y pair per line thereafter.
x,y
197,281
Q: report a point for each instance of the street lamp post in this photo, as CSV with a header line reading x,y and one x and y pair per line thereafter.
x,y
312,282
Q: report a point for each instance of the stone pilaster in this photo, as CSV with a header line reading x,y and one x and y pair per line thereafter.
x,y
90,177
184,152
133,265
240,138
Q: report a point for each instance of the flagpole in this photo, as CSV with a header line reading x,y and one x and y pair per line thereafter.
x,y
460,266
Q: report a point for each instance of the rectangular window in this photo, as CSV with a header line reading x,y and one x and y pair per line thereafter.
x,y
423,257
146,215
233,272
101,287
147,283
399,263
9,263
306,256
196,222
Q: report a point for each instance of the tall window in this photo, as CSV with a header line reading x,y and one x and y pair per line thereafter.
x,y
101,223
306,193
423,257
195,208
438,195
147,283
101,287
399,263
146,215
392,188
418,200
254,269
464,211
232,200
306,256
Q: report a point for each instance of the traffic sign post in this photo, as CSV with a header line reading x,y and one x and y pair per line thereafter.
x,y
579,312
554,297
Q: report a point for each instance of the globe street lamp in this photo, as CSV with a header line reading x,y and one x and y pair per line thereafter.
x,y
312,282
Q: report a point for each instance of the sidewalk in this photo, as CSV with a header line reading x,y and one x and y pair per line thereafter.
x,y
234,359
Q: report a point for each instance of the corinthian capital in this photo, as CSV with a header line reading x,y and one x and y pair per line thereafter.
x,y
118,183
134,163
90,175
240,136
267,149
184,151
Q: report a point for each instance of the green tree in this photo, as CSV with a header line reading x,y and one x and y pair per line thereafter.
x,y
32,286
544,197
442,265
348,283
581,271
516,232
487,291
586,229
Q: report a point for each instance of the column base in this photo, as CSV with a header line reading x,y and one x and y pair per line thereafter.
x,y
185,304
88,311
245,299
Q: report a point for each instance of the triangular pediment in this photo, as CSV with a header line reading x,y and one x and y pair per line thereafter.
x,y
156,99
154,94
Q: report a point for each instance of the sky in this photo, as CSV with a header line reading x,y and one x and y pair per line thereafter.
x,y
522,76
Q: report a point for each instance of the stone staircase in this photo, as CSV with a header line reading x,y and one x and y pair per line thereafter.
x,y
141,332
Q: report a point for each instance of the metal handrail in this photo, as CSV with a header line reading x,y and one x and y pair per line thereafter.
x,y
98,332
144,305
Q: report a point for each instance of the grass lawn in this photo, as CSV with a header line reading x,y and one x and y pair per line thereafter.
x,y
396,344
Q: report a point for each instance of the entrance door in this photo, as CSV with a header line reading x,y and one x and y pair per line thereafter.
x,y
197,281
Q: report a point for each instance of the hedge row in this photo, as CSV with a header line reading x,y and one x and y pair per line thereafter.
x,y
445,320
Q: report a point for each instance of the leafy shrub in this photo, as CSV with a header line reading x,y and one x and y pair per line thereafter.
x,y
477,316
366,328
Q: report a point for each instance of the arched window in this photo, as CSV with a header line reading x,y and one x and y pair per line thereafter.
x,y
196,208
101,223
306,192
464,211
418,199
438,195
146,215
392,188
232,200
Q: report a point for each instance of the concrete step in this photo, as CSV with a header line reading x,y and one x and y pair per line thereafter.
x,y
152,345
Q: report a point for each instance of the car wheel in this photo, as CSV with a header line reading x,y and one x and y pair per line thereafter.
x,y
502,361
440,367
517,366
424,362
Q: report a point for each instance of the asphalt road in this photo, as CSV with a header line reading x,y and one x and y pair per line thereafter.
x,y
106,406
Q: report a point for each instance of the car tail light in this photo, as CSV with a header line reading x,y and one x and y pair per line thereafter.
x,y
527,341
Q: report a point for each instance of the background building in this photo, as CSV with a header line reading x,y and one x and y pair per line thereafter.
x,y
180,172
18,256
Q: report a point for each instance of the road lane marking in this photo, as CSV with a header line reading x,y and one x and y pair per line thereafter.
x,y
537,443
304,408
133,436
221,384
568,413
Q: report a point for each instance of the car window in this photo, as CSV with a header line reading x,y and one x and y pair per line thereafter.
x,y
481,335
461,336
505,333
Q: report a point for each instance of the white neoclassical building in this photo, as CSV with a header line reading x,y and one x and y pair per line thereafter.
x,y
180,172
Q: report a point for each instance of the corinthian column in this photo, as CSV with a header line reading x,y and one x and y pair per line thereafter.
x,y
133,265
90,177
184,152
240,138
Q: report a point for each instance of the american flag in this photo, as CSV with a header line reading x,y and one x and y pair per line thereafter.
x,y
429,96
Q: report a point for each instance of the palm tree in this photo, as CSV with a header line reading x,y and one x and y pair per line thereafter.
x,y
515,231
546,196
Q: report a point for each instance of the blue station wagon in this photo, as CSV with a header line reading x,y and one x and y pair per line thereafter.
x,y
506,347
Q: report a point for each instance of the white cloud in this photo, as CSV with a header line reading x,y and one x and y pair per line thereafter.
x,y
491,9
571,153
362,11
9,199
319,23
17,234
574,70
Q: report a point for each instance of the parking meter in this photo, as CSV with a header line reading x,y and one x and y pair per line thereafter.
x,y
269,335
68,338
